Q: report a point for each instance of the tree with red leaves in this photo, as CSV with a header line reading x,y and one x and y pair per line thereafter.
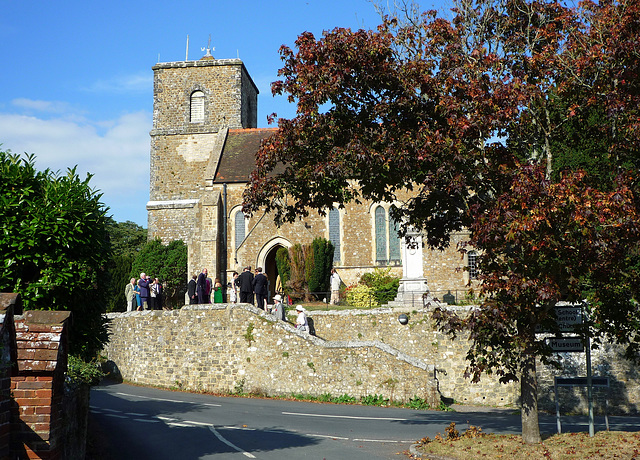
x,y
485,119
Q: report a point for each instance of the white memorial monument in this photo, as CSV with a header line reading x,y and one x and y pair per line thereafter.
x,y
413,284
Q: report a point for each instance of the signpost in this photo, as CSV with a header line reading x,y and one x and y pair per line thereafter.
x,y
568,317
563,344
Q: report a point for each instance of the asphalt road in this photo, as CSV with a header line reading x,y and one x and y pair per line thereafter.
x,y
147,423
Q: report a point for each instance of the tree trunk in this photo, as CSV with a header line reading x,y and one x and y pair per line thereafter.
x,y
529,398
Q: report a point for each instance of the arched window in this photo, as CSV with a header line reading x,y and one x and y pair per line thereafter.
x,y
381,234
394,239
240,227
334,232
197,107
472,266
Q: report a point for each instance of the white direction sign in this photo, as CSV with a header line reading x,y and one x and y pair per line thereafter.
x,y
568,318
566,343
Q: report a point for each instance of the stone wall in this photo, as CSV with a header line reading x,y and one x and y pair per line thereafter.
x,y
225,348
359,353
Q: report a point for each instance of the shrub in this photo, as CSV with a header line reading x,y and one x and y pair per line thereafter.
x,y
297,285
361,296
81,372
383,284
319,264
283,265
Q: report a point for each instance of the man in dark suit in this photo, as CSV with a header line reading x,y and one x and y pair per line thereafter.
x,y
245,281
143,284
201,286
191,289
260,287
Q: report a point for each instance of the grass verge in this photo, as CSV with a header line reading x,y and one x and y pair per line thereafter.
x,y
567,446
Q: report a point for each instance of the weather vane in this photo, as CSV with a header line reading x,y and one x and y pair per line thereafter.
x,y
209,49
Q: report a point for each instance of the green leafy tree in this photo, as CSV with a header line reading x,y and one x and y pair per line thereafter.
x,y
283,265
168,263
462,113
319,265
127,239
54,246
297,284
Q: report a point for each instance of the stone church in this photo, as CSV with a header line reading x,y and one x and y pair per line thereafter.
x,y
203,145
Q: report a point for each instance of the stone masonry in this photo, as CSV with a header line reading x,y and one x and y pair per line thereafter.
x,y
229,348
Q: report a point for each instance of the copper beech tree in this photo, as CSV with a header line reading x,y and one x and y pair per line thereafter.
x,y
484,118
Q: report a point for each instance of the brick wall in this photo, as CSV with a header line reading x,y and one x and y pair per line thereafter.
x,y
38,387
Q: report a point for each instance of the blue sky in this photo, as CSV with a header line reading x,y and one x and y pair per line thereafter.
x,y
77,84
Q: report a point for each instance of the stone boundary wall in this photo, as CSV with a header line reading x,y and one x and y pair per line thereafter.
x,y
230,348
240,348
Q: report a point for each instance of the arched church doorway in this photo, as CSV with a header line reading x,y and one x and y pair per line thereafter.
x,y
271,270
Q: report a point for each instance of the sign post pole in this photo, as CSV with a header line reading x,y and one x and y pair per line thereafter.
x,y
589,379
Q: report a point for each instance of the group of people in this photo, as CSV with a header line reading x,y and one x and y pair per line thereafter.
x,y
146,293
248,285
200,288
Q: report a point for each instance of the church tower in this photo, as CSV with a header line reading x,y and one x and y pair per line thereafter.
x,y
195,103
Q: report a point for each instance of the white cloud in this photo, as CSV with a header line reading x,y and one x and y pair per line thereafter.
x,y
41,106
136,83
118,157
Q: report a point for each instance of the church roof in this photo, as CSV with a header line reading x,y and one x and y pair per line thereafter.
x,y
238,157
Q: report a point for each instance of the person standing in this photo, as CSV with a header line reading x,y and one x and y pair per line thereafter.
x,y
201,286
260,288
207,292
158,289
143,284
245,281
217,291
130,294
278,307
138,302
232,290
191,290
335,282
152,294
301,320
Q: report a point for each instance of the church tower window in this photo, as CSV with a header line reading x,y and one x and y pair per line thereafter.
x,y
334,233
197,107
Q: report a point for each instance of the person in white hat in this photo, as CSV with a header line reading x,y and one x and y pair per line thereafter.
x,y
301,321
278,309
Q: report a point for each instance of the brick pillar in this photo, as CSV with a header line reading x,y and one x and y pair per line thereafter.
x,y
7,365
41,339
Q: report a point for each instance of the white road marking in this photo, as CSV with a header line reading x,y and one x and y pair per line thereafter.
x,y
374,440
327,436
133,414
345,416
116,416
244,428
233,446
169,400
146,420
197,423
